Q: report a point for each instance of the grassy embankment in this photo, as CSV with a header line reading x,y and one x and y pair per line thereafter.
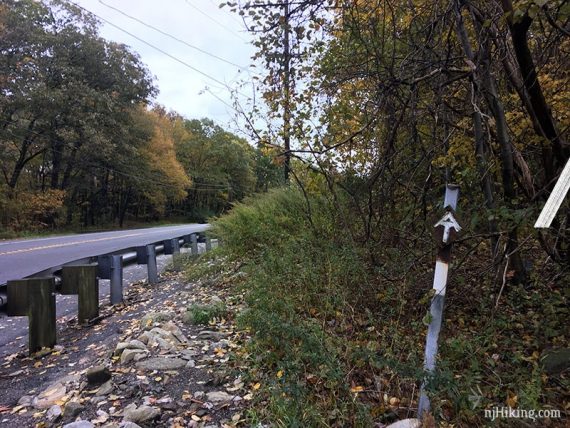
x,y
338,340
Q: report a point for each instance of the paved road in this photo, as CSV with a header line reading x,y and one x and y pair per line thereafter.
x,y
21,258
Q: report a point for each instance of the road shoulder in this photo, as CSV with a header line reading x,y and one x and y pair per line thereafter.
x,y
143,363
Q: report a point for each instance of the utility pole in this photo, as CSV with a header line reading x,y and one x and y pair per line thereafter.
x,y
286,90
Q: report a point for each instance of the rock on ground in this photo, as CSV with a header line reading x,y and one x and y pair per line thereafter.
x,y
162,363
140,414
98,374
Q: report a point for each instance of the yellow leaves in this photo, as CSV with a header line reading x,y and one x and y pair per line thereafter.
x,y
32,206
160,155
532,358
256,386
279,374
357,389
512,399
220,352
18,408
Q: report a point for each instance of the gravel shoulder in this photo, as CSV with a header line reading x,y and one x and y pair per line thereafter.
x,y
142,365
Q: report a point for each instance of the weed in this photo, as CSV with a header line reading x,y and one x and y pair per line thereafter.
x,y
203,314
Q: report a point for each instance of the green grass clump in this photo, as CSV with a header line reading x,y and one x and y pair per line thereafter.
x,y
203,314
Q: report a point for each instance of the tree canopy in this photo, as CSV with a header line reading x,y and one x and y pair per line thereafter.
x,y
81,143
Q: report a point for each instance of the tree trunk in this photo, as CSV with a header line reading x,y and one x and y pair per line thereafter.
x,y
519,35
480,137
489,90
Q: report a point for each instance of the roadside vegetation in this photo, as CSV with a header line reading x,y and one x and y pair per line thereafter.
x,y
376,106
338,339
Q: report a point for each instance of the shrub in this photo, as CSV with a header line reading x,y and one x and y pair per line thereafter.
x,y
337,337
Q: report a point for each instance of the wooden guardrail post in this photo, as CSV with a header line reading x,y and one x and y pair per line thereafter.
x,y
208,243
111,267
35,297
146,255
82,280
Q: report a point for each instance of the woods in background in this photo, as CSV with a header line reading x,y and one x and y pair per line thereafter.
x,y
79,143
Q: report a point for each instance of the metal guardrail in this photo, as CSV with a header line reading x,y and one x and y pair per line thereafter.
x,y
129,258
34,296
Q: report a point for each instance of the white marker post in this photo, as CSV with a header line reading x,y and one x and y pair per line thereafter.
x,y
555,199
446,229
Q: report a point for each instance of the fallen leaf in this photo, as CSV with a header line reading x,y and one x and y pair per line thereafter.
x,y
512,399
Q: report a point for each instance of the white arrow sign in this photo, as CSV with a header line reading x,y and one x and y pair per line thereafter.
x,y
555,199
448,222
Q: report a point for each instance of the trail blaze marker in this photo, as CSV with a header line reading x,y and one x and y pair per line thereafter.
x,y
555,199
449,225
446,229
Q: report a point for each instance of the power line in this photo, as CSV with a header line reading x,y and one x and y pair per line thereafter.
x,y
214,20
173,37
153,46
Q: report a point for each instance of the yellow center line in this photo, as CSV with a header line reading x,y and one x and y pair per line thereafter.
x,y
44,247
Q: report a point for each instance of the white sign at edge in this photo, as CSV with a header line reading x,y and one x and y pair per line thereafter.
x,y
555,199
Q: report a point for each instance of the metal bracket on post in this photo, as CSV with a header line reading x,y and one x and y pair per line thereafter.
x,y
82,280
171,246
111,267
446,229
117,280
146,255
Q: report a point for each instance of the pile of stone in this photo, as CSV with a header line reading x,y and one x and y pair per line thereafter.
x,y
117,392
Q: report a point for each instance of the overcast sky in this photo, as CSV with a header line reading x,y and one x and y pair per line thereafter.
x,y
200,23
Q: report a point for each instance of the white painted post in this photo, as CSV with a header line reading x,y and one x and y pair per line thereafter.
x,y
555,199
447,227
